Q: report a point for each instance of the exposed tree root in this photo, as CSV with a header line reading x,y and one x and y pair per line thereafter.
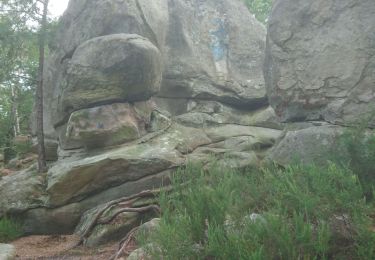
x,y
124,244
126,204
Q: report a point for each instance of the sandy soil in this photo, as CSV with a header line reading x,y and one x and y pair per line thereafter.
x,y
58,248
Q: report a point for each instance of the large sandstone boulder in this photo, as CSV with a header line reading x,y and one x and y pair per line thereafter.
x,y
72,181
118,67
320,60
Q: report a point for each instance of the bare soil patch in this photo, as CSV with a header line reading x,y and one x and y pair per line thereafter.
x,y
59,248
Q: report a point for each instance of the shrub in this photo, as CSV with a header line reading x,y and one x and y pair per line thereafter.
x,y
9,230
356,150
269,213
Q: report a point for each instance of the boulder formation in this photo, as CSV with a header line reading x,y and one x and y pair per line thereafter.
x,y
320,60
206,53
135,89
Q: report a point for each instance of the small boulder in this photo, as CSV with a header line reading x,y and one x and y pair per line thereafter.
x,y
309,145
21,191
146,229
139,254
107,125
114,224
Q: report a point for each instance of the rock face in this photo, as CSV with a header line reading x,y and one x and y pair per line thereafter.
x,y
21,191
312,144
210,54
320,60
206,50
81,182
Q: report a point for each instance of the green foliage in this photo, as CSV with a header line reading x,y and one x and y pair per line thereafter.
x,y
23,148
263,214
19,54
18,68
260,8
355,149
9,230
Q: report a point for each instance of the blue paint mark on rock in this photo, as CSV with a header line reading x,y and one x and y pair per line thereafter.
x,y
219,36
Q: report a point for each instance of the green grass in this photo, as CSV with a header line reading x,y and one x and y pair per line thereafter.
x,y
9,230
207,216
355,149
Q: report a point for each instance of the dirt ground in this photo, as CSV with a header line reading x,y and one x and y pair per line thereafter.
x,y
59,248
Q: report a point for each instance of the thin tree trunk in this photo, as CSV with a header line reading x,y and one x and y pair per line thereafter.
x,y
42,166
15,117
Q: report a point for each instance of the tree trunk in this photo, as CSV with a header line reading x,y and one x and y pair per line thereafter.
x,y
42,166
15,117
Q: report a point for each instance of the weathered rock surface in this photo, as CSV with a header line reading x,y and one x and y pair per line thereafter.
x,y
207,53
63,220
203,114
139,254
122,67
79,183
146,229
113,226
21,191
309,145
7,252
320,60
106,125
72,180
112,231
211,55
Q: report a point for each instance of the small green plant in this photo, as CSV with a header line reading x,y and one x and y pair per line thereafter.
x,y
269,213
9,230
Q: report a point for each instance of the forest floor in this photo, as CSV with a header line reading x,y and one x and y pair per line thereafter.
x,y
59,248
